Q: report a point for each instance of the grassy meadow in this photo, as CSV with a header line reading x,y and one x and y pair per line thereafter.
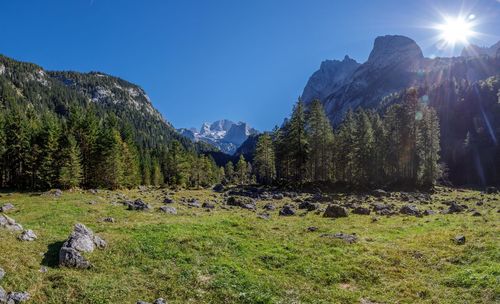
x,y
228,255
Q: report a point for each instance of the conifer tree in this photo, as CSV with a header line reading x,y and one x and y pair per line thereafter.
x,y
241,171
264,160
70,175
296,142
229,172
320,139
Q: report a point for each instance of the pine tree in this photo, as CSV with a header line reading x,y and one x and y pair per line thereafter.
x,y
364,149
320,139
241,171
344,151
296,142
49,145
70,175
264,160
229,172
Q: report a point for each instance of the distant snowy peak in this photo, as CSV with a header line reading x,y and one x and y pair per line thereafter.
x,y
224,134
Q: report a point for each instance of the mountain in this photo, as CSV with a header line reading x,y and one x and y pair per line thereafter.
x,y
473,50
223,134
464,90
394,64
60,92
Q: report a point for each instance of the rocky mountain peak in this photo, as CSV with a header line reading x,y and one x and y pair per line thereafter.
x,y
392,49
473,50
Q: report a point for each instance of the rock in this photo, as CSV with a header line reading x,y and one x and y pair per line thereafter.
x,y
17,297
269,207
309,206
374,219
160,301
455,208
476,213
264,216
194,204
241,201
491,190
218,188
6,207
361,210
429,212
168,209
287,210
27,236
208,205
108,220
410,210
9,223
335,211
93,191
278,196
3,295
2,273
168,200
312,229
138,204
81,240
349,238
459,239
380,193
43,269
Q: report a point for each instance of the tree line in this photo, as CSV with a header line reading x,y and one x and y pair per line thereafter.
x,y
41,150
401,147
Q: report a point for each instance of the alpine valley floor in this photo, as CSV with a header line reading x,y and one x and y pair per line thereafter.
x,y
230,255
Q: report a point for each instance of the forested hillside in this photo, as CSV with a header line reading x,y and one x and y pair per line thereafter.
x,y
66,129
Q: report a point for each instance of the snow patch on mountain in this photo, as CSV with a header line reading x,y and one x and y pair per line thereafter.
x,y
224,134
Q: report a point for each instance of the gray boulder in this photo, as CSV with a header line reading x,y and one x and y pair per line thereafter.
x,y
459,239
9,223
309,206
348,238
2,273
361,210
335,211
6,207
269,207
81,240
3,295
17,297
287,210
138,204
410,210
27,236
208,205
168,200
168,209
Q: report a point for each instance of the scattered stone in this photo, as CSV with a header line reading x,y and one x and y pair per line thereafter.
x,y
241,201
108,220
361,210
476,213
168,200
168,209
54,193
208,205
309,206
264,216
269,207
429,212
6,207
455,208
43,269
312,229
9,223
348,238
80,240
459,239
410,210
287,210
138,204
17,297
3,295
278,196
218,188
194,204
335,211
2,273
27,236
160,301
374,219
93,191
380,193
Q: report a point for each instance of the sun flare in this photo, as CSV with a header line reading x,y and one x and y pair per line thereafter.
x,y
456,30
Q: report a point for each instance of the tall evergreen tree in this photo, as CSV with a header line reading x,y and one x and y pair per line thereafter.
x,y
296,142
70,175
264,162
320,139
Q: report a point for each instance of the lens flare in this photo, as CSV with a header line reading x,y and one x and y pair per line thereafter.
x,y
455,30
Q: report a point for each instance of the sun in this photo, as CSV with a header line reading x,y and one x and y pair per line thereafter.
x,y
456,30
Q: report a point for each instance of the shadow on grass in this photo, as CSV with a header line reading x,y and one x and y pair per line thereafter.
x,y
51,257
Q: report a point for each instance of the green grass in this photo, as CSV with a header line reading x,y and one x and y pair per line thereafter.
x,y
230,256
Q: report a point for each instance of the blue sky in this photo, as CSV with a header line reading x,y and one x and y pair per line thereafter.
x,y
205,60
